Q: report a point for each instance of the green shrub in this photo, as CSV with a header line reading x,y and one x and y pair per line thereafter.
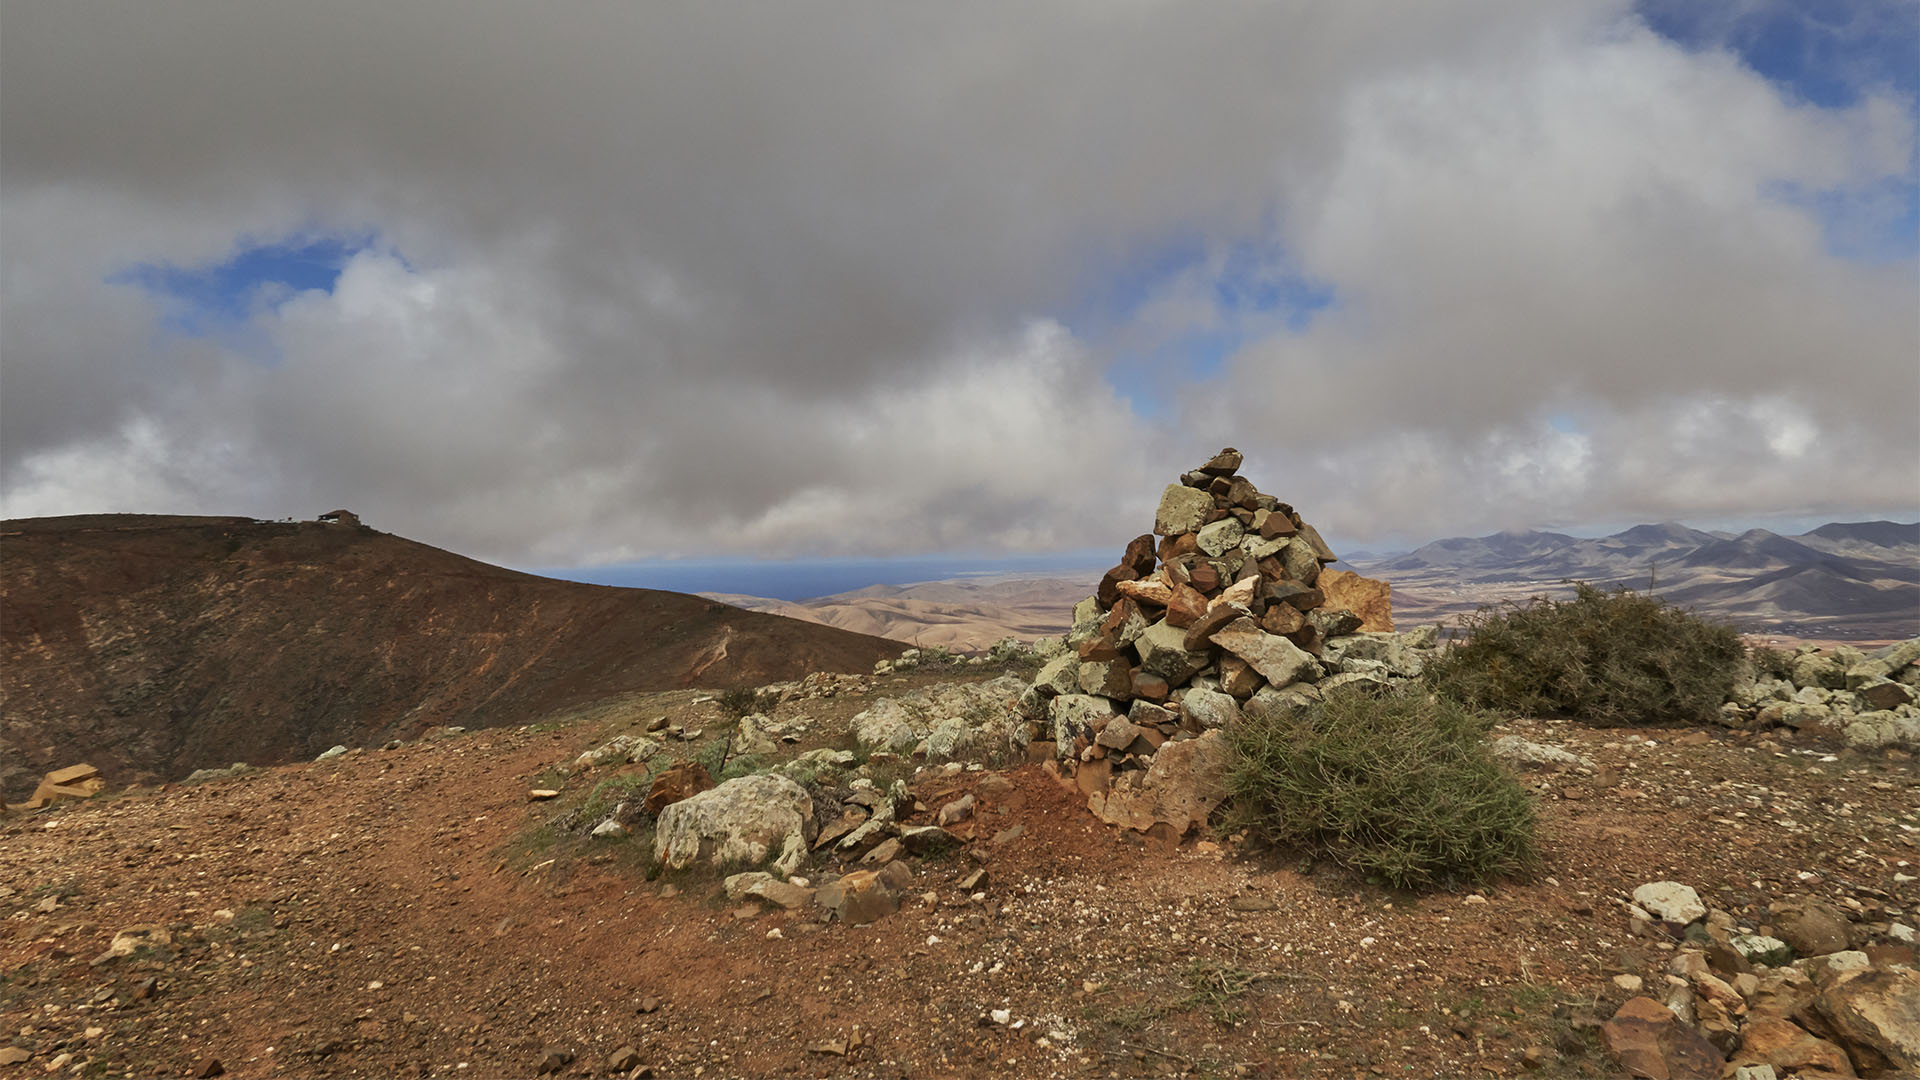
x,y
1769,662
1607,658
1401,787
740,701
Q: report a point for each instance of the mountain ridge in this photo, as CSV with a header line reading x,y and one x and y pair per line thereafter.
x,y
154,645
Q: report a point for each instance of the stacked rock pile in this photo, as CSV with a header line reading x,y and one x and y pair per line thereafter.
x,y
1228,612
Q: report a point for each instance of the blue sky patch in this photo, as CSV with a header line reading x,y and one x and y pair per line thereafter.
x,y
207,301
1254,290
1825,52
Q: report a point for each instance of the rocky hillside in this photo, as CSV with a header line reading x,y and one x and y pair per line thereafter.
x,y
151,646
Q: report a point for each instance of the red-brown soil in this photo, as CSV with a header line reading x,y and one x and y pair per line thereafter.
x,y
391,914
151,646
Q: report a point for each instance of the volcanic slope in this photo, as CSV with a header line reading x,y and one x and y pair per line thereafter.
x,y
149,646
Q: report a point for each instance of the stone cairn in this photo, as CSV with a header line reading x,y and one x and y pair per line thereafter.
x,y
1228,613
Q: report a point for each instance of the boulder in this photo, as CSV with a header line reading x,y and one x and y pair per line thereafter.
x,y
969,715
1163,652
1367,598
1786,1046
747,821
750,739
1884,694
681,780
1810,927
1649,1041
1187,780
858,898
1880,729
1225,463
1671,902
1300,563
1876,1013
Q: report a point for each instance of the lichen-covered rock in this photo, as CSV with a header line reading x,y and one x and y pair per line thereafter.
x,y
1182,510
968,714
1075,716
750,739
1875,730
745,822
1210,708
622,750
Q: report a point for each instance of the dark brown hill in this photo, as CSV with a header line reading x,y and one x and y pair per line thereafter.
x,y
150,646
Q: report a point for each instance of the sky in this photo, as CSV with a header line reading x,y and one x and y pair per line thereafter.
x,y
612,284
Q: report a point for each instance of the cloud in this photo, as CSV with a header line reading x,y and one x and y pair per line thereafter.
x,y
648,281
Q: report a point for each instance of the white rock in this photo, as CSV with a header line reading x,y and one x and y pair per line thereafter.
x,y
1514,749
743,822
1671,902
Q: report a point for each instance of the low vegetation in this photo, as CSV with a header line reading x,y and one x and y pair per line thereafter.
x,y
1606,658
1401,788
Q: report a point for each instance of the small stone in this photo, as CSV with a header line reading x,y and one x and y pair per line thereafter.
x,y
13,1055
884,852
1760,949
625,1059
208,1067
961,808
541,794
1630,983
552,1061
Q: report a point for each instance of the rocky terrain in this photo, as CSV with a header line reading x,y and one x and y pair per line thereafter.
x,y
429,910
154,646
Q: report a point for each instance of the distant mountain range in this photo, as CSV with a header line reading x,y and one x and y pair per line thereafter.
x,y
1844,581
1848,580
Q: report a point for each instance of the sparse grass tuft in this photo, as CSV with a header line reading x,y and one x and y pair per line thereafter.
x,y
1401,788
1216,988
1606,658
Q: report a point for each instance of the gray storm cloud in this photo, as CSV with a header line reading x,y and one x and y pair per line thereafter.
x,y
835,280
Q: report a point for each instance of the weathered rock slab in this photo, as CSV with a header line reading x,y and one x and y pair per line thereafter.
x,y
747,821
